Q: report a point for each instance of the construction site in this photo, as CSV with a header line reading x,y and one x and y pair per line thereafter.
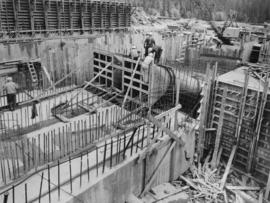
x,y
103,102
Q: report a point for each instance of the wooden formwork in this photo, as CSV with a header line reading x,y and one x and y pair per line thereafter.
x,y
27,17
252,125
262,153
118,75
126,77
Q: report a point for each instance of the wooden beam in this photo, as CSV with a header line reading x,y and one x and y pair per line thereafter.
x,y
203,113
82,13
31,14
101,14
71,9
131,81
152,178
267,192
45,9
109,14
173,153
91,81
256,137
232,187
62,118
15,14
48,76
166,130
242,107
228,167
189,182
92,8
59,11
117,14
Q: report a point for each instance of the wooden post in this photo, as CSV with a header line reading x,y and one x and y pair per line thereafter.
x,y
104,157
256,136
31,13
49,183
131,82
25,192
82,11
71,9
46,8
97,160
70,175
267,192
40,188
58,180
203,114
173,153
228,167
15,13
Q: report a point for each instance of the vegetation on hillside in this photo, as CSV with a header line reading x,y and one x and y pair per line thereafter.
x,y
254,11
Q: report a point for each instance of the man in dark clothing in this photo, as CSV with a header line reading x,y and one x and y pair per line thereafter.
x,y
11,89
148,43
157,50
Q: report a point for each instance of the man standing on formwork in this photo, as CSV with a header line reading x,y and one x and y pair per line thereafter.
x,y
146,66
134,54
11,89
148,43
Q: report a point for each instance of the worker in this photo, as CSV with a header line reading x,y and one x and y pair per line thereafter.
x,y
134,54
146,65
157,50
148,43
11,89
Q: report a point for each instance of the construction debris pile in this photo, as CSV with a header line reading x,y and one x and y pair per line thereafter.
x,y
211,185
140,17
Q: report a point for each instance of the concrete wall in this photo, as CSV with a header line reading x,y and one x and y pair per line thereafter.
x,y
128,177
60,56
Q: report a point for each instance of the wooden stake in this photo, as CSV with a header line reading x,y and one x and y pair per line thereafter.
x,y
104,157
267,192
111,155
70,175
97,160
25,193
88,169
40,188
13,193
228,167
58,185
49,183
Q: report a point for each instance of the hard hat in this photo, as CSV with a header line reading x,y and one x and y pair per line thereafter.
x,y
9,79
134,47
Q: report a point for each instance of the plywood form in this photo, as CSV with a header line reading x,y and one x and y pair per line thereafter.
x,y
42,16
261,166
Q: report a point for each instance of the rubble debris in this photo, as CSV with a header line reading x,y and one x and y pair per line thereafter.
x,y
205,185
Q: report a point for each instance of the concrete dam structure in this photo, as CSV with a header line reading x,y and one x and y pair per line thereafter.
x,y
81,121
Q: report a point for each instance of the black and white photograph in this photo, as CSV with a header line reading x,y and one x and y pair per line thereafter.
x,y
134,101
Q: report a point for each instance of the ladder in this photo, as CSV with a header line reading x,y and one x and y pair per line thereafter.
x,y
33,73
